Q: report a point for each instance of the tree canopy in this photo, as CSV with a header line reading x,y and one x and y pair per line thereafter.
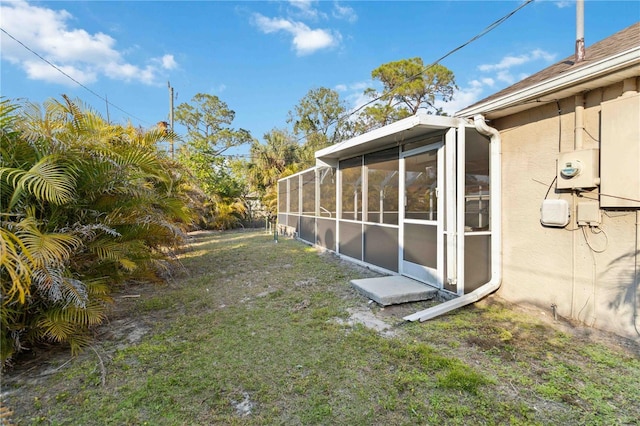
x,y
319,118
407,86
209,134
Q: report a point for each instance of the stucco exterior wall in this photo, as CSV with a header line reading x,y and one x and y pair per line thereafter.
x,y
587,273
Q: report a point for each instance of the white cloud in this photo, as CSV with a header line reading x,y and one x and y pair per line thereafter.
x,y
487,81
512,61
358,100
504,70
344,12
564,3
302,4
463,97
79,54
353,93
504,73
305,40
39,70
304,9
169,62
505,76
353,87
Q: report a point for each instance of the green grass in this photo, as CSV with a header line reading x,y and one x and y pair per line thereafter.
x,y
267,324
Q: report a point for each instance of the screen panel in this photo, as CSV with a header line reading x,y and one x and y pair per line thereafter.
x,y
477,261
308,229
421,244
351,239
327,181
326,233
309,193
381,246
294,194
382,170
282,196
351,175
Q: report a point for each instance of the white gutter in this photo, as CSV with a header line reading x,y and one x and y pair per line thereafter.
x,y
496,233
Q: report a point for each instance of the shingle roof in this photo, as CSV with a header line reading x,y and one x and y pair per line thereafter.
x,y
620,42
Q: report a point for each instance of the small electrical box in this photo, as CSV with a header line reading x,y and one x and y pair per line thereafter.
x,y
554,213
588,213
578,169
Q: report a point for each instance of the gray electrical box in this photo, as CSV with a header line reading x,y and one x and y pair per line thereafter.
x,y
578,169
588,213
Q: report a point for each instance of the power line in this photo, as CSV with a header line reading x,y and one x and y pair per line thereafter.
x,y
71,78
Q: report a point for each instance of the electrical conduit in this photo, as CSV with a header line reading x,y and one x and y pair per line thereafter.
x,y
495,168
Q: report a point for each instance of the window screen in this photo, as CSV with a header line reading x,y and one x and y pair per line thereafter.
x,y
382,186
351,172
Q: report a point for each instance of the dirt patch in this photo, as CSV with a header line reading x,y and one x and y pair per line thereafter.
x,y
572,328
243,408
368,318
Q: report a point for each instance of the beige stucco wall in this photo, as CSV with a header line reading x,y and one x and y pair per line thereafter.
x,y
555,266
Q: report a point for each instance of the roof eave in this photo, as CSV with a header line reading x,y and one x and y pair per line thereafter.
x,y
501,106
397,132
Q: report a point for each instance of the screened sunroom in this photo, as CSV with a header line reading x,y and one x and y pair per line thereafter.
x,y
412,198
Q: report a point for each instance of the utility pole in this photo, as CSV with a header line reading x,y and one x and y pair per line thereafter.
x,y
106,100
171,118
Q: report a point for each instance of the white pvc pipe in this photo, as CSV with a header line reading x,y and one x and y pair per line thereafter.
x,y
579,122
495,172
580,51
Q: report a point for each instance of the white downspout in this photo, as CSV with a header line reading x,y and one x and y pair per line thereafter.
x,y
495,168
579,123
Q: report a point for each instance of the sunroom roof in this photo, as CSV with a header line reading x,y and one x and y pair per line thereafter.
x,y
392,134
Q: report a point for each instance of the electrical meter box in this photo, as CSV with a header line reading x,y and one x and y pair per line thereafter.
x,y
578,169
554,213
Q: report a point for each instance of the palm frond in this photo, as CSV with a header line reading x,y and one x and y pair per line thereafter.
x,y
47,180
7,116
60,323
17,262
46,248
60,289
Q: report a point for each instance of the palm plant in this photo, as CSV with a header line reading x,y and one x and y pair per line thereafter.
x,y
84,205
277,158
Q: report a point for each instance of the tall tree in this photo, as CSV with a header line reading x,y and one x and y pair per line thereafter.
x,y
209,134
319,117
407,87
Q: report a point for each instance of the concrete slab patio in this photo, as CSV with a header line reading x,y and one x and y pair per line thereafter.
x,y
394,289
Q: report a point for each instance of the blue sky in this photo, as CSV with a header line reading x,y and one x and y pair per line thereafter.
x,y
262,57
